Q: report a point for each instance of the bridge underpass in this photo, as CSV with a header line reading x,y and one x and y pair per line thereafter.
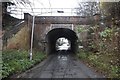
x,y
46,30
57,33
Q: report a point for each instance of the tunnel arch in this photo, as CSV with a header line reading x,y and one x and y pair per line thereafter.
x,y
56,33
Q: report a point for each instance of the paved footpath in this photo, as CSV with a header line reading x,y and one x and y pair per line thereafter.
x,y
60,66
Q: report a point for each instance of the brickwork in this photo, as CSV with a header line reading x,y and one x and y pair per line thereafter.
x,y
44,24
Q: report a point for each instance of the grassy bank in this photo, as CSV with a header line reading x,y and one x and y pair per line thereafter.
x,y
103,63
15,61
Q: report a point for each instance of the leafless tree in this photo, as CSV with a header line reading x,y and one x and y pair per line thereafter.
x,y
88,8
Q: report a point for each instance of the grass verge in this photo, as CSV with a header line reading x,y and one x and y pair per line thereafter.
x,y
15,61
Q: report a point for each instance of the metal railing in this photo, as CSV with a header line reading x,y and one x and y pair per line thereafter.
x,y
19,12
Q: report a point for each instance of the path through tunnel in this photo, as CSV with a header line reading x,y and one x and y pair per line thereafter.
x,y
53,35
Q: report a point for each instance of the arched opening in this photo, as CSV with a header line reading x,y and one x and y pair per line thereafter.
x,y
58,34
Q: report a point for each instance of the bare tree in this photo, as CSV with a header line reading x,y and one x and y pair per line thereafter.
x,y
88,8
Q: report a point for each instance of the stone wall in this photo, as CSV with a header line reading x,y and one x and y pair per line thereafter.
x,y
21,40
82,33
40,32
18,37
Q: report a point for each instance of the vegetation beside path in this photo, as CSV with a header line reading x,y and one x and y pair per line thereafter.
x,y
103,63
17,61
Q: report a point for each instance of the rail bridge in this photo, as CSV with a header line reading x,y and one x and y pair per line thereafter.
x,y
49,28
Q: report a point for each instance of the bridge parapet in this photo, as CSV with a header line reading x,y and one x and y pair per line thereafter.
x,y
64,19
61,19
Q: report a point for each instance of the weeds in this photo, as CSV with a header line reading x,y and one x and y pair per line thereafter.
x,y
17,61
101,62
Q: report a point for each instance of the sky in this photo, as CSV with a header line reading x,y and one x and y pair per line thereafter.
x,y
50,7
55,3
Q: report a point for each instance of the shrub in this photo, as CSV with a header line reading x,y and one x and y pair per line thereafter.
x,y
101,62
17,61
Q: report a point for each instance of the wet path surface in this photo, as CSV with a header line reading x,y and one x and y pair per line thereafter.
x,y
60,66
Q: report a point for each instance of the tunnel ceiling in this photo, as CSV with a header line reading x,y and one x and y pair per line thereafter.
x,y
54,34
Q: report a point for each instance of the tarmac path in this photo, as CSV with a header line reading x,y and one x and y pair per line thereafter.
x,y
60,66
